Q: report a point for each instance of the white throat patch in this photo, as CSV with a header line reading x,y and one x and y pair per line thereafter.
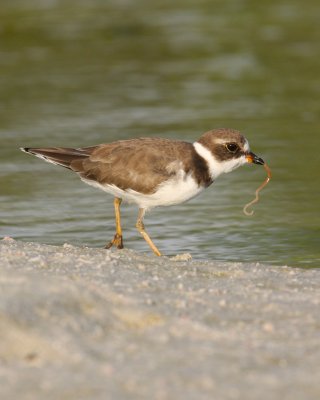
x,y
216,167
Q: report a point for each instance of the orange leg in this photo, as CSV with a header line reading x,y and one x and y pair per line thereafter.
x,y
140,227
117,240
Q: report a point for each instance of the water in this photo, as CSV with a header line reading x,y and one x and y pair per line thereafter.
x,y
78,73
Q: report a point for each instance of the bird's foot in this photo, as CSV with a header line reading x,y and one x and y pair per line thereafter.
x,y
116,241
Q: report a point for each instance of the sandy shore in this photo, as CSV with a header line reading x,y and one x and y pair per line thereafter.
x,y
80,323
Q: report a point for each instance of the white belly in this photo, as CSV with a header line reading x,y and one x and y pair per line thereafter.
x,y
175,191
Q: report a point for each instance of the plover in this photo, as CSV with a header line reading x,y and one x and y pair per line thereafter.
x,y
153,172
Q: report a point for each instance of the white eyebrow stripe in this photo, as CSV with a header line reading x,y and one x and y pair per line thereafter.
x,y
246,146
220,141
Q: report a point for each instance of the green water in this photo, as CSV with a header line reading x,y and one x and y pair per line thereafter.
x,y
78,73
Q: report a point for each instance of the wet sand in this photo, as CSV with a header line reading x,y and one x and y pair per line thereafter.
x,y
82,323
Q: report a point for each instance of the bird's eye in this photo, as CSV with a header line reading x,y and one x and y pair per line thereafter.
x,y
232,147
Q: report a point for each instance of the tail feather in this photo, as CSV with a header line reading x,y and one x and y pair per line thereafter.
x,y
60,155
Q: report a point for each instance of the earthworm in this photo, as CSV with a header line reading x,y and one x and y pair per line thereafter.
x,y
256,199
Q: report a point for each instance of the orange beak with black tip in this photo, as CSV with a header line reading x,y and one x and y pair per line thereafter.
x,y
252,158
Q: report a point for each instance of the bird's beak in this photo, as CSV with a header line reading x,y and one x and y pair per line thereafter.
x,y
252,158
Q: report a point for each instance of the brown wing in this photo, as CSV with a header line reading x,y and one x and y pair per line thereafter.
x,y
138,164
60,155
